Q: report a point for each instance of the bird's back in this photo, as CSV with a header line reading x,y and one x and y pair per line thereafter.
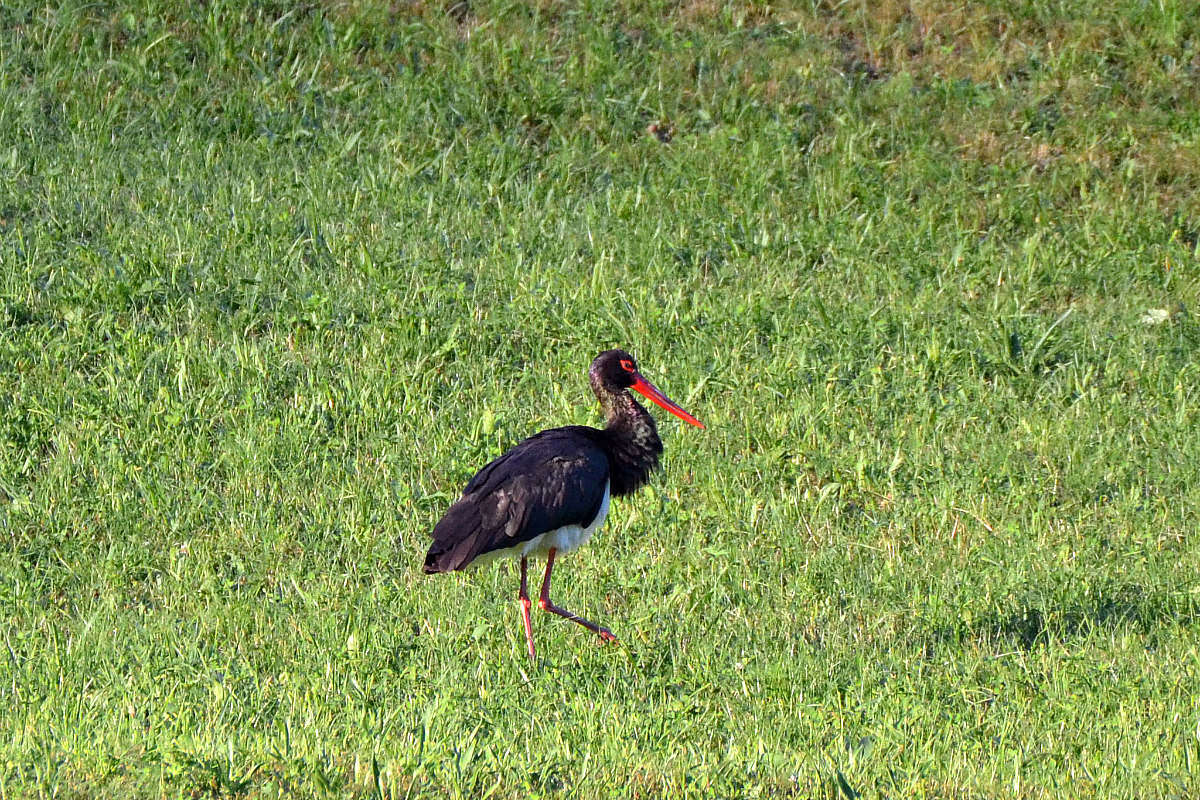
x,y
552,479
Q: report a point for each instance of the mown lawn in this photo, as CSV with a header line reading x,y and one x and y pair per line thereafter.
x,y
276,278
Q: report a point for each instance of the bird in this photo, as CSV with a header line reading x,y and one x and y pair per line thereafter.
x,y
549,494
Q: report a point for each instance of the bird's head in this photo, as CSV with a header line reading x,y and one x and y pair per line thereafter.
x,y
616,370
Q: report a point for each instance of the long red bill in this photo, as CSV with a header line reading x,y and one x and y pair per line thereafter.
x,y
648,390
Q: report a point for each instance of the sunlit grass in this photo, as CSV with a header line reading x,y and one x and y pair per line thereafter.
x,y
275,280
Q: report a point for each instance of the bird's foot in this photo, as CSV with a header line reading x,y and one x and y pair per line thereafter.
x,y
603,633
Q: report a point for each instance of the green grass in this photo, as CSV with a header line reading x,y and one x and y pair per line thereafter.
x,y
276,279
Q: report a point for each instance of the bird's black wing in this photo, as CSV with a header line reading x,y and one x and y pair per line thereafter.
x,y
552,479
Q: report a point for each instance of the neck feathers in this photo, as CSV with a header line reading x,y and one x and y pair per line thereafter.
x,y
630,440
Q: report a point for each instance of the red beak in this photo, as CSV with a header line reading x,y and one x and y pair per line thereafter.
x,y
648,390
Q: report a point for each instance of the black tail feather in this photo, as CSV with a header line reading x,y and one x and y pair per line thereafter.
x,y
455,540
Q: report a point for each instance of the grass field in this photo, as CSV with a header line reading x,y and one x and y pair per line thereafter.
x,y
275,279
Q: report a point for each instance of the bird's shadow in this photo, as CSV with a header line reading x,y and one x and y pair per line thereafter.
x,y
1041,620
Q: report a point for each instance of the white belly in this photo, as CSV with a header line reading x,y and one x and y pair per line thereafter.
x,y
564,539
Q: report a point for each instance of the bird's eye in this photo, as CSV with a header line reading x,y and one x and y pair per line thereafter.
x,y
626,365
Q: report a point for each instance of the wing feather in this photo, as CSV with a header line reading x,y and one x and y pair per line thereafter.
x,y
552,479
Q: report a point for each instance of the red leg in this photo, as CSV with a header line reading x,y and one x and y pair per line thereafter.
x,y
524,597
546,604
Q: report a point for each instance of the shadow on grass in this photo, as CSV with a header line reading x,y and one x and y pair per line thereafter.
x,y
1128,608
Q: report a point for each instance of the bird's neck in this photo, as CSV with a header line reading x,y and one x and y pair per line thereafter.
x,y
630,440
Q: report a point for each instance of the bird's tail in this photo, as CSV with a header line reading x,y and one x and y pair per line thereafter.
x,y
456,540
433,561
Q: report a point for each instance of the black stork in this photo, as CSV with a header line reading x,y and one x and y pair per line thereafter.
x,y
550,493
